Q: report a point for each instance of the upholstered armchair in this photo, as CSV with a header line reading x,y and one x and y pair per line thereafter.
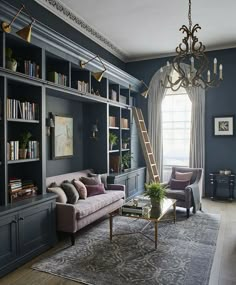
x,y
185,185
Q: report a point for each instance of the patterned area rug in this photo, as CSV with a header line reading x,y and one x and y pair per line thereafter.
x,y
184,253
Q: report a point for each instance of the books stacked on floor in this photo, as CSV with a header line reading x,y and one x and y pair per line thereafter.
x,y
22,110
31,68
83,86
57,78
130,208
20,189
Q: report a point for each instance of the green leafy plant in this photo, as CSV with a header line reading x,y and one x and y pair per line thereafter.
x,y
24,139
155,191
112,138
125,160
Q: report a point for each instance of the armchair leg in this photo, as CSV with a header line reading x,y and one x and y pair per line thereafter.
x,y
72,238
188,212
200,207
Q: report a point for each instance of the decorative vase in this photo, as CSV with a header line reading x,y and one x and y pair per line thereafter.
x,y
12,65
156,208
124,145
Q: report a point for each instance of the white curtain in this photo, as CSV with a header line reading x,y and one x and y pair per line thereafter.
x,y
156,95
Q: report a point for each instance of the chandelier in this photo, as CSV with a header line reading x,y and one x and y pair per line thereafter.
x,y
191,52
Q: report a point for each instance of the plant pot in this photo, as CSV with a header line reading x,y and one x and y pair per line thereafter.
x,y
156,208
22,153
12,65
124,145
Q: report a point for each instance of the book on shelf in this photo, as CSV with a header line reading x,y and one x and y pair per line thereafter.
x,y
17,109
13,150
83,86
31,68
57,78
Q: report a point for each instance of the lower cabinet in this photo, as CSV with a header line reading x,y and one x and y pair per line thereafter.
x,y
26,232
133,179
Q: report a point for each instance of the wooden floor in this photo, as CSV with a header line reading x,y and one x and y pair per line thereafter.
x,y
223,269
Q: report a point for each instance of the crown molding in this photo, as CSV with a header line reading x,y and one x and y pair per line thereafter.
x,y
66,14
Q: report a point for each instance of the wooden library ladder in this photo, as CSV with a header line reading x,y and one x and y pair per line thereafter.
x,y
146,145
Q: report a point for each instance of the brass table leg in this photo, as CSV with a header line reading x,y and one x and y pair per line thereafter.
x,y
155,234
174,208
111,222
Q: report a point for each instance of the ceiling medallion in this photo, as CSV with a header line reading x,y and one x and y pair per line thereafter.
x,y
191,52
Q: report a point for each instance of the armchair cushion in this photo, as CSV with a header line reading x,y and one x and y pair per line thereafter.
x,y
175,194
179,184
183,175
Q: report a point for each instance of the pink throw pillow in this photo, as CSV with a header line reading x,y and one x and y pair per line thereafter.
x,y
81,188
183,175
93,190
178,184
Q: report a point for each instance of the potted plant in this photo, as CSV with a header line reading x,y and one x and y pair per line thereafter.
x,y
11,63
156,192
24,141
125,161
125,143
112,140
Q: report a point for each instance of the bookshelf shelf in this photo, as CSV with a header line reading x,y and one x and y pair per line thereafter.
x,y
114,128
23,121
125,149
114,150
23,160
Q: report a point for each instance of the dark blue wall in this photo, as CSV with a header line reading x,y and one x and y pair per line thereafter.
x,y
220,101
49,19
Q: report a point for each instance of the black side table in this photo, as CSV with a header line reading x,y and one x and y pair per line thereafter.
x,y
218,180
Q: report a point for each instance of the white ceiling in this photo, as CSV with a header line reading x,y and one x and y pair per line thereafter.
x,y
150,28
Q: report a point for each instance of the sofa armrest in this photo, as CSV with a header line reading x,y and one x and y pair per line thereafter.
x,y
66,217
116,187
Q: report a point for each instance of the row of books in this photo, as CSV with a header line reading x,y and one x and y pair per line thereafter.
x,y
22,110
21,188
31,68
83,86
57,78
15,153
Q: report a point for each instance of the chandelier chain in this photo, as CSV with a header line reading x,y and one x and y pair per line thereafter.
x,y
189,15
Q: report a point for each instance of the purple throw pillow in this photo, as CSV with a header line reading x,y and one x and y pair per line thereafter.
x,y
178,184
93,190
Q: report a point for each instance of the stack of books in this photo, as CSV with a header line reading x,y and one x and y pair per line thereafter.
x,y
57,78
31,68
130,208
21,189
22,110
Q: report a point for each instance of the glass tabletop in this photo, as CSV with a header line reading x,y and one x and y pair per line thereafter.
x,y
140,207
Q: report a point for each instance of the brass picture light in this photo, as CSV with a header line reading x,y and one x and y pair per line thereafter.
x,y
145,93
24,33
97,75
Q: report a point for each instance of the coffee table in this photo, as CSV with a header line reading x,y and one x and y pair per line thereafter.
x,y
152,217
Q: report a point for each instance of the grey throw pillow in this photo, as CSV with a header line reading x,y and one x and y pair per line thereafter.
x,y
71,192
95,180
61,196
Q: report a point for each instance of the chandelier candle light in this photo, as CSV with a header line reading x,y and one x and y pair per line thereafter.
x,y
191,52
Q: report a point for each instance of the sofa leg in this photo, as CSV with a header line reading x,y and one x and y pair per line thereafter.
x,y
72,238
188,212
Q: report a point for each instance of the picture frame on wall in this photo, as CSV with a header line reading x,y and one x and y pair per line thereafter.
x,y
223,125
62,137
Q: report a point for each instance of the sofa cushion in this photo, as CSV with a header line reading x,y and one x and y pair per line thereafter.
x,y
81,188
178,184
93,190
61,196
71,192
183,175
94,203
175,194
103,178
91,180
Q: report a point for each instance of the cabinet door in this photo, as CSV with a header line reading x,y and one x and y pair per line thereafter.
x,y
123,181
8,239
141,180
132,184
35,228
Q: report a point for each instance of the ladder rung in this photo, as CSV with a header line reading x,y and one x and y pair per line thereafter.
x,y
144,131
141,120
153,164
147,142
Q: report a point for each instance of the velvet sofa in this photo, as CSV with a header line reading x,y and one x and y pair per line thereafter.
x,y
73,217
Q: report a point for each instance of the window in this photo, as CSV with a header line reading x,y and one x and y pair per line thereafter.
x,y
176,123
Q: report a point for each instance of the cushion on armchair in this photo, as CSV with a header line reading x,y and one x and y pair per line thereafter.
x,y
183,175
179,184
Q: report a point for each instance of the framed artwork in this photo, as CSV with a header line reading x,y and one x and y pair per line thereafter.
x,y
62,137
224,126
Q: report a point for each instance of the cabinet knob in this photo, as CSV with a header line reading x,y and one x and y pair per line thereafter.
x,y
21,219
13,221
